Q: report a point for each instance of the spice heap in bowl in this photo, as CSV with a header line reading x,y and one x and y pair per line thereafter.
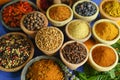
x,y
15,51
12,12
78,30
110,9
49,40
43,5
59,14
106,31
86,10
32,22
103,57
74,54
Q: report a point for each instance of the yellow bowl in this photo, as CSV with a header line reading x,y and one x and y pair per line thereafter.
x,y
97,38
103,14
98,67
87,18
59,23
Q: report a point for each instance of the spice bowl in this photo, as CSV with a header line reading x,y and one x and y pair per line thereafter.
x,y
16,50
104,14
47,66
11,22
73,54
78,30
103,57
32,22
49,40
86,10
59,14
106,31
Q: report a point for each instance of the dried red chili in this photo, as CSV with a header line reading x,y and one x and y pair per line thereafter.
x,y
14,12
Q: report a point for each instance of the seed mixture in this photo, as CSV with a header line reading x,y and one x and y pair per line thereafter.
x,y
34,21
86,9
48,38
14,50
45,69
74,52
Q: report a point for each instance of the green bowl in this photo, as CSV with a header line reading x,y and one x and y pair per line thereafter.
x,y
8,4
62,66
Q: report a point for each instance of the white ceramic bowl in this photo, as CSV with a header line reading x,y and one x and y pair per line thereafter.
x,y
67,63
98,67
110,42
59,23
85,38
87,18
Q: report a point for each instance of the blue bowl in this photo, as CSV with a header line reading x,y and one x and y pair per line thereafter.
x,y
8,4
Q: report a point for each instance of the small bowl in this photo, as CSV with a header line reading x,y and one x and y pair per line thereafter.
x,y
73,65
38,2
32,33
15,48
62,66
97,38
73,27
8,4
103,14
56,22
98,67
49,40
87,18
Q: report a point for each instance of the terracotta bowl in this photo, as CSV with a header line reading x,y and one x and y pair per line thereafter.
x,y
32,33
103,14
12,55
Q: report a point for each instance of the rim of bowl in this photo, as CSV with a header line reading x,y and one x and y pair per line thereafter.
x,y
81,1
38,58
105,41
98,67
104,14
52,52
8,4
83,39
30,57
30,31
54,5
71,64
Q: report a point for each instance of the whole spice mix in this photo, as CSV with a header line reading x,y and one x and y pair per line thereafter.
x,y
35,21
103,56
45,69
59,13
74,52
106,30
14,50
49,38
13,13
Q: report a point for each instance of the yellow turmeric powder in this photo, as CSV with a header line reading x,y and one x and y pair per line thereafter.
x,y
106,30
112,8
103,56
60,13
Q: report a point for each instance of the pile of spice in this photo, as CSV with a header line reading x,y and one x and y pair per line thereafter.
x,y
103,56
13,13
112,8
78,29
35,21
49,38
59,13
14,50
45,69
74,52
106,30
86,8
